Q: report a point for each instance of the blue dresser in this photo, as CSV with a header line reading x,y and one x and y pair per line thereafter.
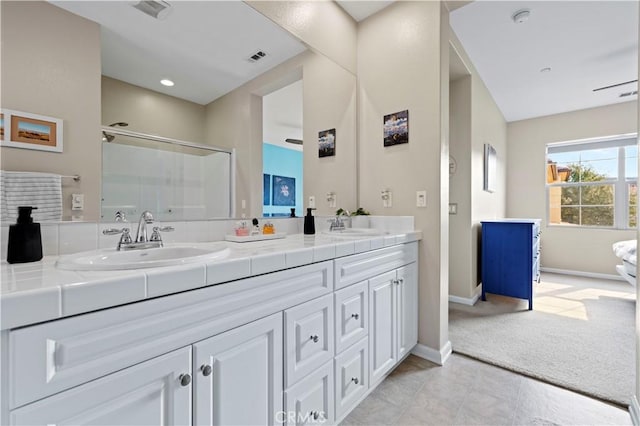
x,y
510,257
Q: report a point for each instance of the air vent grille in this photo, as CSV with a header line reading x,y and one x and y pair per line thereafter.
x,y
155,8
257,56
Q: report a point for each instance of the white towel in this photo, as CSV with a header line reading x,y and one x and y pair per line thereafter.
x,y
41,190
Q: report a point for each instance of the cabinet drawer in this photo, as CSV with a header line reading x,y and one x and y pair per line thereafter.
x,y
352,376
359,267
48,358
352,315
149,393
311,400
308,337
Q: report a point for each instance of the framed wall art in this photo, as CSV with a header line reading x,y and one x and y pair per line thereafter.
x,y
30,131
396,128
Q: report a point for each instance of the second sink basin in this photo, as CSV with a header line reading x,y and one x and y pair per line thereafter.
x,y
111,259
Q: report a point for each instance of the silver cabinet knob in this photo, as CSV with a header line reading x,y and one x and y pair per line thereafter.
x,y
315,338
315,415
355,316
355,380
206,369
185,379
400,280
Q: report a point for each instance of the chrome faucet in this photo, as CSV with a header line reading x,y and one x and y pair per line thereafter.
x,y
141,241
338,223
145,218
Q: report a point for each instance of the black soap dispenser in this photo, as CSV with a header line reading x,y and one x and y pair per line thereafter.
x,y
309,223
25,240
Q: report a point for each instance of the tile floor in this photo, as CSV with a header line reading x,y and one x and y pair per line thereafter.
x,y
468,392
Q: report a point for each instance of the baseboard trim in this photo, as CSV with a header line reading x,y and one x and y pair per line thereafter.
x,y
582,274
634,410
470,301
433,355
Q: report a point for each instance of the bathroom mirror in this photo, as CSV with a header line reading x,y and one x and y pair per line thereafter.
x,y
222,57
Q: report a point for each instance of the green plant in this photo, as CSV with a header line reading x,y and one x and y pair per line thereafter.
x,y
359,212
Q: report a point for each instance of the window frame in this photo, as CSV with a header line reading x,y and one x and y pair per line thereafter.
x,y
621,184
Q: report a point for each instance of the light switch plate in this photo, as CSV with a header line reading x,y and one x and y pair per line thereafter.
x,y
453,208
77,201
421,198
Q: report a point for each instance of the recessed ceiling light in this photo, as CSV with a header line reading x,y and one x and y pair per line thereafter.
x,y
521,16
545,69
166,82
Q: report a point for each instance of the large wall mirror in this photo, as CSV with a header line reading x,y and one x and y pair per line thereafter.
x,y
226,61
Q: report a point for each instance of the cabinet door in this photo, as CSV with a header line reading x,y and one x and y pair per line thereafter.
x,y
154,392
382,325
308,337
352,315
407,285
238,375
352,377
310,401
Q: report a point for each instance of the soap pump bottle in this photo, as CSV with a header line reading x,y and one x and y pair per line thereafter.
x,y
309,223
25,240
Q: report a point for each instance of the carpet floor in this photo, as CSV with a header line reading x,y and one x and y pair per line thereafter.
x,y
580,335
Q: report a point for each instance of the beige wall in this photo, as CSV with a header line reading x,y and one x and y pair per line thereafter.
x,y
478,121
460,263
322,25
235,121
151,112
398,69
576,249
53,69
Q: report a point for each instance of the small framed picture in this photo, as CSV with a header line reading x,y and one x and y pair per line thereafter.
x,y
396,128
490,168
284,191
327,143
31,131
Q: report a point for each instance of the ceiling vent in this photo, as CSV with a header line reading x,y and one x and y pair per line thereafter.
x,y
257,56
625,94
157,9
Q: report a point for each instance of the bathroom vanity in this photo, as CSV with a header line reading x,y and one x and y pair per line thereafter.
x,y
294,331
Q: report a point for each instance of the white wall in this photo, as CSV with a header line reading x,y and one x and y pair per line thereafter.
x,y
400,67
51,66
562,247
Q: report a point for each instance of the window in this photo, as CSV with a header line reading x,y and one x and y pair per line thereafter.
x,y
593,183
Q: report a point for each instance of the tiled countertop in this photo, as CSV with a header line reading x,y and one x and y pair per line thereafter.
x,y
38,291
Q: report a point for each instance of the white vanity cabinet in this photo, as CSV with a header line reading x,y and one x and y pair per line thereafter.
x,y
299,346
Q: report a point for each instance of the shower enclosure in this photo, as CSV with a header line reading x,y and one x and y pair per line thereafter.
x,y
176,180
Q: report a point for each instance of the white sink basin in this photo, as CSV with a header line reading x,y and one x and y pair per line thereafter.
x,y
111,259
355,232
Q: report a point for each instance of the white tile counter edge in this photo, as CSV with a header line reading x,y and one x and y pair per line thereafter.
x,y
37,292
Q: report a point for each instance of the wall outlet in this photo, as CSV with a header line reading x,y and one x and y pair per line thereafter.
x,y
244,204
331,199
77,201
453,208
387,198
421,198
312,201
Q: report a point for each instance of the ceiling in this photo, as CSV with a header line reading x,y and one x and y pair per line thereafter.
x,y
362,9
587,45
203,46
